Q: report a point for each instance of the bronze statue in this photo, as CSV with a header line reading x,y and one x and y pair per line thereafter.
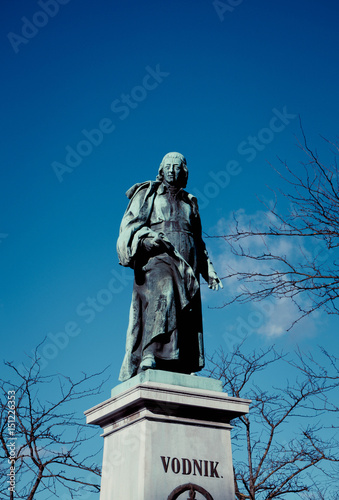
x,y
160,238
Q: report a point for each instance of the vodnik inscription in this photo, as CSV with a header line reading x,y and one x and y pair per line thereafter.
x,y
187,466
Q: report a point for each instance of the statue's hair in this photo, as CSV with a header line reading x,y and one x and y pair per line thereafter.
x,y
184,170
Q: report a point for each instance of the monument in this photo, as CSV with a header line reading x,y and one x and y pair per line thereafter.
x,y
166,431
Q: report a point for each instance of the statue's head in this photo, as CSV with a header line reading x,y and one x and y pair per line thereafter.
x,y
173,169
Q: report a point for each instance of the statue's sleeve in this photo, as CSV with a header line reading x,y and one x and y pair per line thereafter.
x,y
205,265
134,225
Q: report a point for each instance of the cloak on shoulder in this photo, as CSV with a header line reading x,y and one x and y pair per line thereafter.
x,y
165,315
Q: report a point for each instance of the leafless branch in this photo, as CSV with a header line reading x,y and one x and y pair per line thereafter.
x,y
309,275
50,434
274,467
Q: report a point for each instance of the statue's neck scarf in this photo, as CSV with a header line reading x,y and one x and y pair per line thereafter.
x,y
172,190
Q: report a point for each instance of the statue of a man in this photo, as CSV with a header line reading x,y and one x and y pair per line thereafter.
x,y
160,238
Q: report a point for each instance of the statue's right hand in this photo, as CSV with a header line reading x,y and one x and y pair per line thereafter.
x,y
152,243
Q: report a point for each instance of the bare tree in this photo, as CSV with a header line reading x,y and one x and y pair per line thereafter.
x,y
42,436
290,446
310,276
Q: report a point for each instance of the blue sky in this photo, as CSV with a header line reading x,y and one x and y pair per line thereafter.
x,y
152,77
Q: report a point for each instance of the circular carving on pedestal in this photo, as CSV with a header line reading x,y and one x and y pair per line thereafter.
x,y
192,488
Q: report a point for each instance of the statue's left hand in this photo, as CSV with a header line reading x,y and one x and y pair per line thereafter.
x,y
214,281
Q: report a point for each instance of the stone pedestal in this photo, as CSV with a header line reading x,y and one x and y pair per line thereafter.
x,y
167,436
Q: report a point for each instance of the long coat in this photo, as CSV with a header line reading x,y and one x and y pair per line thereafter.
x,y
165,315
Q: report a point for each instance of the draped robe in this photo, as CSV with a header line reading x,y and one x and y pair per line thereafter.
x,y
165,315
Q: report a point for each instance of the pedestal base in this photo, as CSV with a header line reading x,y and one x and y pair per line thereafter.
x,y
167,436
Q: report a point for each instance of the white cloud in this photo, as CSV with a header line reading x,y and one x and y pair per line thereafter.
x,y
271,317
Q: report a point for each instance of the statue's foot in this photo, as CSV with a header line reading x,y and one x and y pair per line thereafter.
x,y
147,362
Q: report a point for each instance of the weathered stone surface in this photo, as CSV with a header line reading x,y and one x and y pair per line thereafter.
x,y
164,377
161,438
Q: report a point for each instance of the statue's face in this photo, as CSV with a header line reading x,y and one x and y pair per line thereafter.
x,y
171,170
